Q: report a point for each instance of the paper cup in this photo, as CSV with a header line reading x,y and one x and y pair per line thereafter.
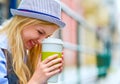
x,y
51,46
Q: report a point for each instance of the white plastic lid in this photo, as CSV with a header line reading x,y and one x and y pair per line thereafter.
x,y
52,40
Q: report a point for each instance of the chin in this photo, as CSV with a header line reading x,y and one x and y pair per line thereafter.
x,y
28,48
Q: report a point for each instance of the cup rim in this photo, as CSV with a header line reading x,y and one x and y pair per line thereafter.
x,y
52,40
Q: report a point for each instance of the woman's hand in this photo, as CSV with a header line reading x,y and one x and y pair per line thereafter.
x,y
46,69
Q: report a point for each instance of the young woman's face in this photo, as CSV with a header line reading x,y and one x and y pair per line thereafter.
x,y
32,35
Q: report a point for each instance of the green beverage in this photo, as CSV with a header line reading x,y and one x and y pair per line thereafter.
x,y
50,47
47,54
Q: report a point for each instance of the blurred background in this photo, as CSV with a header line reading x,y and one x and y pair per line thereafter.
x,y
91,40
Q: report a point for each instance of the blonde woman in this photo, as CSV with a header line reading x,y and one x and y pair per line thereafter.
x,y
20,43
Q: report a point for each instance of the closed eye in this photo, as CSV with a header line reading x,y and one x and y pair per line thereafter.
x,y
40,32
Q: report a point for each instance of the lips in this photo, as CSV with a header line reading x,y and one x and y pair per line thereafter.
x,y
31,44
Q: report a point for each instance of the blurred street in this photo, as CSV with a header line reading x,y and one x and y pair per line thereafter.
x,y
91,40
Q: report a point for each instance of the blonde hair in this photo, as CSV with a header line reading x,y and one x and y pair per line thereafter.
x,y
13,30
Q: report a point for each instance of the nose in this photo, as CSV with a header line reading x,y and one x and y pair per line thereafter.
x,y
40,39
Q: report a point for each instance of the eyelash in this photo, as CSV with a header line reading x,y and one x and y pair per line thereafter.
x,y
43,33
40,32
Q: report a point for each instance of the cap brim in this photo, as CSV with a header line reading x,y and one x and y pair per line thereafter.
x,y
38,16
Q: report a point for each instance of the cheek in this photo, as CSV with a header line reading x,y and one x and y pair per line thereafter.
x,y
25,36
28,35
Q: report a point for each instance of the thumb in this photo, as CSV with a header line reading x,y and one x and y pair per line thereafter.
x,y
40,58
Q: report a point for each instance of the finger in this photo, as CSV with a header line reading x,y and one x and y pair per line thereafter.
x,y
61,69
55,71
40,58
62,52
52,57
53,62
62,59
55,67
